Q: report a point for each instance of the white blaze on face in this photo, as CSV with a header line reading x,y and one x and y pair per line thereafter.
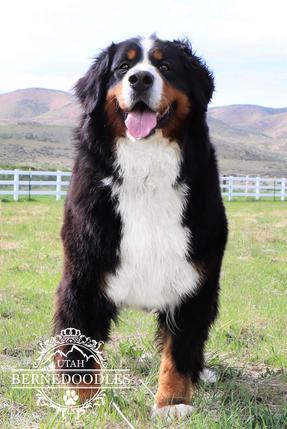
x,y
155,93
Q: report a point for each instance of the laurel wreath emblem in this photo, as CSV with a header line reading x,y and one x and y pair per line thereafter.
x,y
48,347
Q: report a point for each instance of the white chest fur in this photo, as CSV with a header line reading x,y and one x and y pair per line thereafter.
x,y
153,272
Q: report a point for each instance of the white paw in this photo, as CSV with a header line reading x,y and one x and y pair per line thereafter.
x,y
208,376
70,397
172,411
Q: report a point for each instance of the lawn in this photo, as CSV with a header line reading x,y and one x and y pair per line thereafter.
x,y
247,346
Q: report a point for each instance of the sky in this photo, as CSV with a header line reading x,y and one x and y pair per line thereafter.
x,y
51,43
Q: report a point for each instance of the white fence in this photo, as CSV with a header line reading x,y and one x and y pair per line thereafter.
x,y
254,187
31,183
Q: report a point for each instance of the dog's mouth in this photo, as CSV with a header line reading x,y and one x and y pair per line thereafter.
x,y
141,121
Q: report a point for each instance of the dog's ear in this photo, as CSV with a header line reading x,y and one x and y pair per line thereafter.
x,y
91,88
201,78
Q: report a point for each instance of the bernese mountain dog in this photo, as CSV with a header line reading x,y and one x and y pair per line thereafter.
x,y
144,223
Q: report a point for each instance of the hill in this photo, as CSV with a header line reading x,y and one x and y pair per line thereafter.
x,y
36,130
39,105
257,119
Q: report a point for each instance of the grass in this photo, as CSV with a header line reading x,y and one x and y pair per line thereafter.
x,y
247,345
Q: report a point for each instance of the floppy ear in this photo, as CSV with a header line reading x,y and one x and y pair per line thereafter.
x,y
201,78
91,88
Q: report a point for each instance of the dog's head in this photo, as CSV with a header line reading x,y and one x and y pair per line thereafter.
x,y
145,84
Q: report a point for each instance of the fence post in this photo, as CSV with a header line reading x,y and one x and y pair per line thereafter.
x,y
230,188
16,185
257,188
223,178
283,188
246,186
58,185
29,189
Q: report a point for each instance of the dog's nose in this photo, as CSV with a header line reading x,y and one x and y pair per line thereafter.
x,y
141,81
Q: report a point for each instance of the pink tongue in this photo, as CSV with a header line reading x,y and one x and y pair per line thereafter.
x,y
140,124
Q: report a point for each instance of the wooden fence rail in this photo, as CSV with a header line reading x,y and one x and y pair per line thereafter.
x,y
32,183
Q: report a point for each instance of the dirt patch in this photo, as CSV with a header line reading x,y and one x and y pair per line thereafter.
x,y
9,245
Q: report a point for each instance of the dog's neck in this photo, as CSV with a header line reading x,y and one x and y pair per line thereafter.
x,y
152,160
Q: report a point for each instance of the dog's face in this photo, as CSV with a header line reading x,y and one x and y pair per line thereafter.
x,y
146,84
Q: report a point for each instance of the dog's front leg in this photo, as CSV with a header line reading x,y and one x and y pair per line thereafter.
x,y
80,305
174,387
182,338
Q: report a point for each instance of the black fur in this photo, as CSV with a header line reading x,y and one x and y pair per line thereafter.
x,y
91,232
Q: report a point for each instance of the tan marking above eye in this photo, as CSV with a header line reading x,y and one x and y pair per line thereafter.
x,y
157,54
131,54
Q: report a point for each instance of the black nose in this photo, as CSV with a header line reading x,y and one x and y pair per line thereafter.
x,y
141,81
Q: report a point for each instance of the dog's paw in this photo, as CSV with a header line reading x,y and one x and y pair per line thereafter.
x,y
178,411
208,376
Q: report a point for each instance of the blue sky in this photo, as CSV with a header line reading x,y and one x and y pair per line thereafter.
x,y
51,43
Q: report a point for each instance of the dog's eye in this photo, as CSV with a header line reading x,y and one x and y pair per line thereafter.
x,y
164,67
124,67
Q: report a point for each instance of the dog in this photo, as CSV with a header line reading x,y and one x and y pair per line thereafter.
x,y
144,222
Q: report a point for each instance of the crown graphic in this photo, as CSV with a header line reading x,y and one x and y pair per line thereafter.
x,y
70,336
71,333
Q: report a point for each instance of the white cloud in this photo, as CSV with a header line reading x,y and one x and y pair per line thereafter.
x,y
26,80
250,88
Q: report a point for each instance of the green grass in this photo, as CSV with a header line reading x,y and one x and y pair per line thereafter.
x,y
247,345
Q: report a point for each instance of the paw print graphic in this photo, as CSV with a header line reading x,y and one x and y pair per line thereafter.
x,y
70,397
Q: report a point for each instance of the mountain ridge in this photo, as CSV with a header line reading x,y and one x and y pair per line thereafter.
x,y
36,130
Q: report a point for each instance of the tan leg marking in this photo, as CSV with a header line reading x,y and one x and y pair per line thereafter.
x,y
174,388
88,392
91,389
85,390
